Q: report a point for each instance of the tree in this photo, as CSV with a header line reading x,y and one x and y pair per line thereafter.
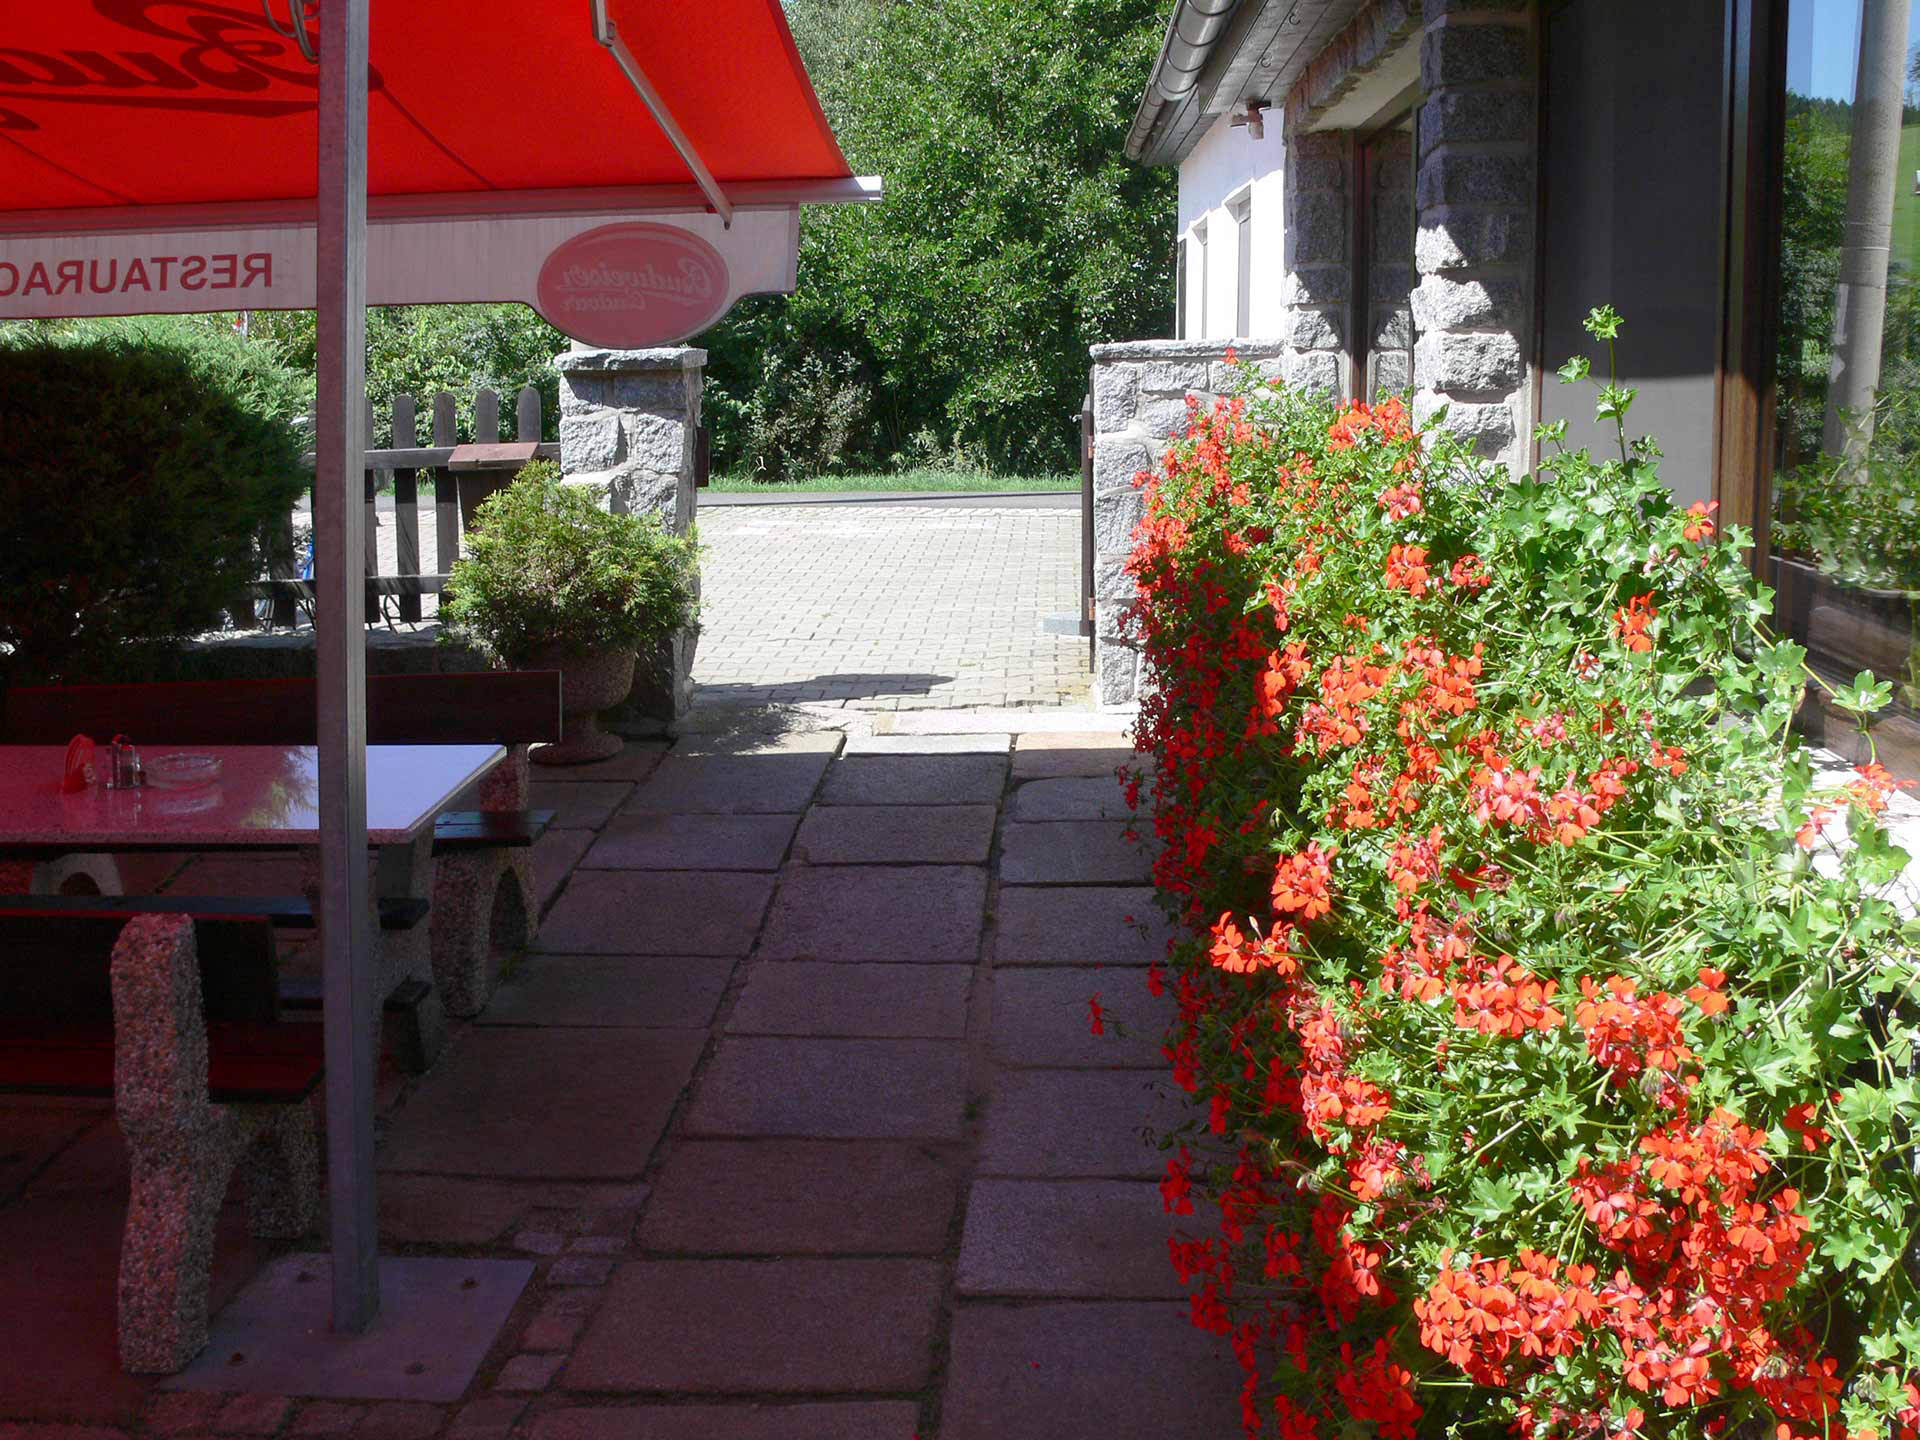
x,y
1013,235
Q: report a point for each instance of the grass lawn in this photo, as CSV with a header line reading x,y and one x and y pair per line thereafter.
x,y
1906,205
901,480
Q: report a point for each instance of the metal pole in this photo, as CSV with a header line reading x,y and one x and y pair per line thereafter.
x,y
340,644
1860,294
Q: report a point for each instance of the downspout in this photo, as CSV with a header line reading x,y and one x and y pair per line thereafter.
x,y
1191,34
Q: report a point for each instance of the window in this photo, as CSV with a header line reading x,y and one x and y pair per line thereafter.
x,y
1845,447
1241,209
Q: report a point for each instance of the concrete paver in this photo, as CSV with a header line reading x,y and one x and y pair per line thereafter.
x,y
885,606
1087,1371
925,913
655,840
1088,797
915,780
1081,1123
1074,852
792,1326
839,1420
1094,1239
545,1103
896,834
799,997
644,912
1080,925
1042,1017
831,1089
777,782
661,992
801,1197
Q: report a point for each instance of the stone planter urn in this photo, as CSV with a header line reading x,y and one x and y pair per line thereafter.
x,y
589,683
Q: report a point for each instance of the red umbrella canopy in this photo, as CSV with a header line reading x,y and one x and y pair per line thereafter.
x,y
110,103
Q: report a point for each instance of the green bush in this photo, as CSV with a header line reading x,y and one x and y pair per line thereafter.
x,y
142,466
548,570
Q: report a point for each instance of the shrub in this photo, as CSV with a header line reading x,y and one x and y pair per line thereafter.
x,y
548,570
142,465
1556,1057
804,418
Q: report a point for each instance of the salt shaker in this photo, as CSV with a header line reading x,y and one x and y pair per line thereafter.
x,y
123,765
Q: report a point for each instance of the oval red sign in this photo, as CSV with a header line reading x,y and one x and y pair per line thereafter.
x,y
633,285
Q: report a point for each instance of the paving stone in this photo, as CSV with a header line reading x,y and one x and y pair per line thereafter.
x,y
1087,1239
1072,852
253,1415
1087,1371
981,744
597,1245
180,1412
545,1103
776,782
327,1417
896,834
652,840
640,912
800,1197
1040,755
490,1418
915,780
679,992
540,1242
928,913
1089,797
855,1420
578,804
1079,925
832,1089
554,855
527,1373
636,762
552,1332
399,1420
31,1135
767,1326
450,1210
1080,1123
1042,1017
798,997
580,1270
733,739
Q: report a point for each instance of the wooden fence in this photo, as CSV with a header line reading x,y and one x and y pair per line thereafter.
x,y
458,476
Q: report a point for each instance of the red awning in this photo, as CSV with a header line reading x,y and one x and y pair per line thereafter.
x,y
474,98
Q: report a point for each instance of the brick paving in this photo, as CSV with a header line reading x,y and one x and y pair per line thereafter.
x,y
889,606
795,1110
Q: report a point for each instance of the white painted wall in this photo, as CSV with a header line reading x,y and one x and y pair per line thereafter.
x,y
1226,164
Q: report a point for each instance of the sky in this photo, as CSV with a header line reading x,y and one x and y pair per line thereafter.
x,y
1823,46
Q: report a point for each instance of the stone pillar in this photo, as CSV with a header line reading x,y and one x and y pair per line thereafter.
x,y
1140,391
627,425
1475,198
1319,261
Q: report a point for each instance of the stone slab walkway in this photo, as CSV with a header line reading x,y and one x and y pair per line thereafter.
x,y
889,607
795,1108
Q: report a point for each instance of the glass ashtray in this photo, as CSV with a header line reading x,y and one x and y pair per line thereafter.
x,y
182,770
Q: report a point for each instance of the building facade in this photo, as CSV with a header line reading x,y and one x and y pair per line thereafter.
x,y
1426,197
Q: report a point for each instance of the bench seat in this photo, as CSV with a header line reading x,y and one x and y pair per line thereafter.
x,y
247,1064
285,912
457,830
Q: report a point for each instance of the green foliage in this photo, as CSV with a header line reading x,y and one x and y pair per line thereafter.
x,y
142,464
1859,520
548,570
1013,235
804,418
424,349
1553,1024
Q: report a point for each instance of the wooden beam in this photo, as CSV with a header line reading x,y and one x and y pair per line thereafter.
x,y
340,644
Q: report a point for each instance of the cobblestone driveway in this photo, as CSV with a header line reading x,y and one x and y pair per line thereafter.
x,y
889,606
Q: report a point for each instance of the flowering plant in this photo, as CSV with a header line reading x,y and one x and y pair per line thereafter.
x,y
1554,1030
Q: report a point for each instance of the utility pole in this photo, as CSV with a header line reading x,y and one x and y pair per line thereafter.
x,y
1860,293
